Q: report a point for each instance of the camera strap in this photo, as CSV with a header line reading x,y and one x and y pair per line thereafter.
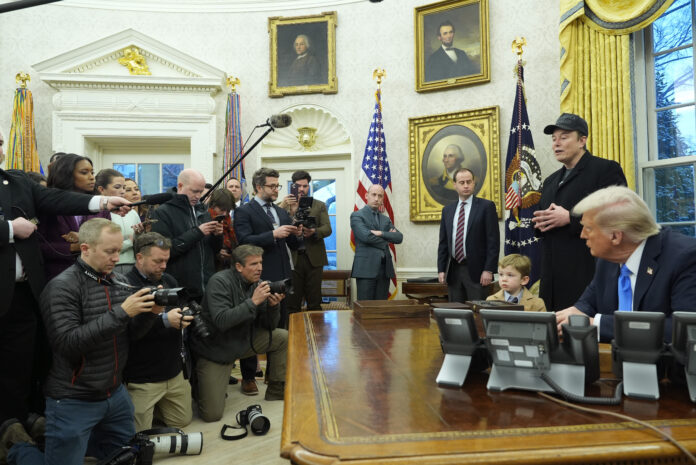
x,y
228,437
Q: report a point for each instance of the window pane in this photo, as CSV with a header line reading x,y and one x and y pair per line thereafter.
x,y
148,178
676,132
674,194
332,261
674,78
126,169
170,171
673,28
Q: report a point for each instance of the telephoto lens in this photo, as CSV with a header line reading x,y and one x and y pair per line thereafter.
x,y
257,421
184,444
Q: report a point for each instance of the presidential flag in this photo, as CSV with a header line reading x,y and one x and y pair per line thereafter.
x,y
233,144
375,170
522,184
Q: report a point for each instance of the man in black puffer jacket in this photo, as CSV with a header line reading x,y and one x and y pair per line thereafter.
x,y
89,323
195,238
154,374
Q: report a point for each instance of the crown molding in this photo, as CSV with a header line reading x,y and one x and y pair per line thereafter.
x,y
205,6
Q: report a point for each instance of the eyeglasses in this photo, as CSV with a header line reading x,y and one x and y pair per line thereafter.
x,y
275,187
153,242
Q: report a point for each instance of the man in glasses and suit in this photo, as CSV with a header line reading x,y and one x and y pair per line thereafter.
x,y
372,265
262,223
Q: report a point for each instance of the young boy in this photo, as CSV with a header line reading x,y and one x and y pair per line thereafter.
x,y
513,272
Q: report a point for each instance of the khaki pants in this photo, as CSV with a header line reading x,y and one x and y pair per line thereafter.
x,y
172,398
213,378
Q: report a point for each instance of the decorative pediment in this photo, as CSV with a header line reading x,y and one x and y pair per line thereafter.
x,y
330,136
124,60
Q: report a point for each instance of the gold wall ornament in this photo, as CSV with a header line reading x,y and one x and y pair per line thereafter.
x,y
232,83
134,61
22,78
307,137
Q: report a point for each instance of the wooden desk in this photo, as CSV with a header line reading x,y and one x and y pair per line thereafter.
x,y
425,292
365,393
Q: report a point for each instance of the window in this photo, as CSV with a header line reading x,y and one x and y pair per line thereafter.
x,y
152,178
668,173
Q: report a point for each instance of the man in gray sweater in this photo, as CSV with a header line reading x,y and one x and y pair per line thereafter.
x,y
242,314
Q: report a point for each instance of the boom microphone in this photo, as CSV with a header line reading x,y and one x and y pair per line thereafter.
x,y
154,199
278,121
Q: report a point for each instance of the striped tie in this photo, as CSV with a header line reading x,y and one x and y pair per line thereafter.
x,y
459,241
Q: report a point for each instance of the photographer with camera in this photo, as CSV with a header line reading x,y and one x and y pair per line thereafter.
x,y
154,374
310,256
242,313
89,322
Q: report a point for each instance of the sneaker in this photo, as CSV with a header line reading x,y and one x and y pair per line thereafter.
x,y
11,433
249,387
275,390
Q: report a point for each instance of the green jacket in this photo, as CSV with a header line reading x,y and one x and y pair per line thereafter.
x,y
231,317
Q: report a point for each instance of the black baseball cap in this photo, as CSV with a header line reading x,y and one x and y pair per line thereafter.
x,y
568,122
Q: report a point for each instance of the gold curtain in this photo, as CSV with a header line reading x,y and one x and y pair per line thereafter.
x,y
597,67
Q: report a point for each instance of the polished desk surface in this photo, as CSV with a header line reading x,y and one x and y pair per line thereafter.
x,y
365,393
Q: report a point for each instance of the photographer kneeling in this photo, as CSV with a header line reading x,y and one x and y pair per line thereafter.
x,y
154,373
242,314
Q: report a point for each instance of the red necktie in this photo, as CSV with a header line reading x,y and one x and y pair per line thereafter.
x,y
459,241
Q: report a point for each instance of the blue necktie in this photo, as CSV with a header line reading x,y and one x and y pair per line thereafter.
x,y
625,293
268,212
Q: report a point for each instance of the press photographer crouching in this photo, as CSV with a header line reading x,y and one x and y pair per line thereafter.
x,y
154,374
242,314
89,323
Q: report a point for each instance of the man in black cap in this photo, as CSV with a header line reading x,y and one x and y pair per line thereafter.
x,y
567,266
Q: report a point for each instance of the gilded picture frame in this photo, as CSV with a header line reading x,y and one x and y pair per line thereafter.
x,y
438,145
303,69
452,44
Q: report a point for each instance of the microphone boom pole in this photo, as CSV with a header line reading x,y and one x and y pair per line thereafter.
x,y
236,163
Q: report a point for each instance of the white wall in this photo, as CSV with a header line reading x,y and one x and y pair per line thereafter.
x,y
368,36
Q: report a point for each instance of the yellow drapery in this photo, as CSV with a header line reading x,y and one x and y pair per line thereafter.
x,y
596,71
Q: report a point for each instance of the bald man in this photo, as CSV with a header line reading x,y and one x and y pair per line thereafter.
x,y
372,264
196,239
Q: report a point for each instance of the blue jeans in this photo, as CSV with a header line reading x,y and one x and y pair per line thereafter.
x,y
75,428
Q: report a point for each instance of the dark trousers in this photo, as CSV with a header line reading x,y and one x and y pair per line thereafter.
x,y
248,367
374,288
17,346
460,286
306,280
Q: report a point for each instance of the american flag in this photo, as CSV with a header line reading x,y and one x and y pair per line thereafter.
x,y
522,183
233,143
375,170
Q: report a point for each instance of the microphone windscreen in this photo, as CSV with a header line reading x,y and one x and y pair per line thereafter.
x,y
156,199
280,121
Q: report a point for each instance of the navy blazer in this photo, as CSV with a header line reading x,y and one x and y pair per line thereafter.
x,y
666,282
482,238
369,249
253,226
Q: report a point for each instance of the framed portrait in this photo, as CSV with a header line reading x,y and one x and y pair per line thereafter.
x,y
303,55
451,44
441,144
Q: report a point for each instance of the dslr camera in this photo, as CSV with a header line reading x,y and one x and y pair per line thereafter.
x,y
179,297
284,286
144,445
253,417
302,216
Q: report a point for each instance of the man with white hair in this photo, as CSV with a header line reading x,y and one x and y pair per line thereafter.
x,y
639,267
196,239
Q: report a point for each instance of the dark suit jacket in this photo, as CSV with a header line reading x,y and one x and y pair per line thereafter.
x,y
370,249
440,65
253,226
666,282
566,264
482,238
21,197
314,245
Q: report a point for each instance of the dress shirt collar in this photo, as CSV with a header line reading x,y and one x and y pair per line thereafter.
x,y
633,261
